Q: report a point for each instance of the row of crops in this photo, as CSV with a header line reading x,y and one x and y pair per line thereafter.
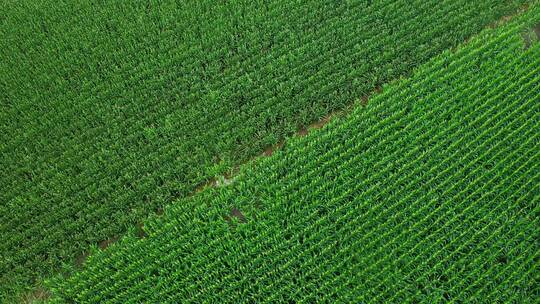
x,y
111,111
429,194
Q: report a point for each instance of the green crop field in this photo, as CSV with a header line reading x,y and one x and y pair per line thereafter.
x,y
429,194
114,111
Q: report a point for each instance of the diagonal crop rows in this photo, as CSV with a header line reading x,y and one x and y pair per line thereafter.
x,y
429,194
113,111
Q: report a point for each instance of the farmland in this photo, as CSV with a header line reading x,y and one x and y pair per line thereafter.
x,y
427,193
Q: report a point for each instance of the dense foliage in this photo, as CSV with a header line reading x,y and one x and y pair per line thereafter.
x,y
113,109
429,194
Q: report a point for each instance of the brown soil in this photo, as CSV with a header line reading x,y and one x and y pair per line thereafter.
x,y
236,213
270,150
79,261
536,30
106,243
526,39
39,295
139,230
